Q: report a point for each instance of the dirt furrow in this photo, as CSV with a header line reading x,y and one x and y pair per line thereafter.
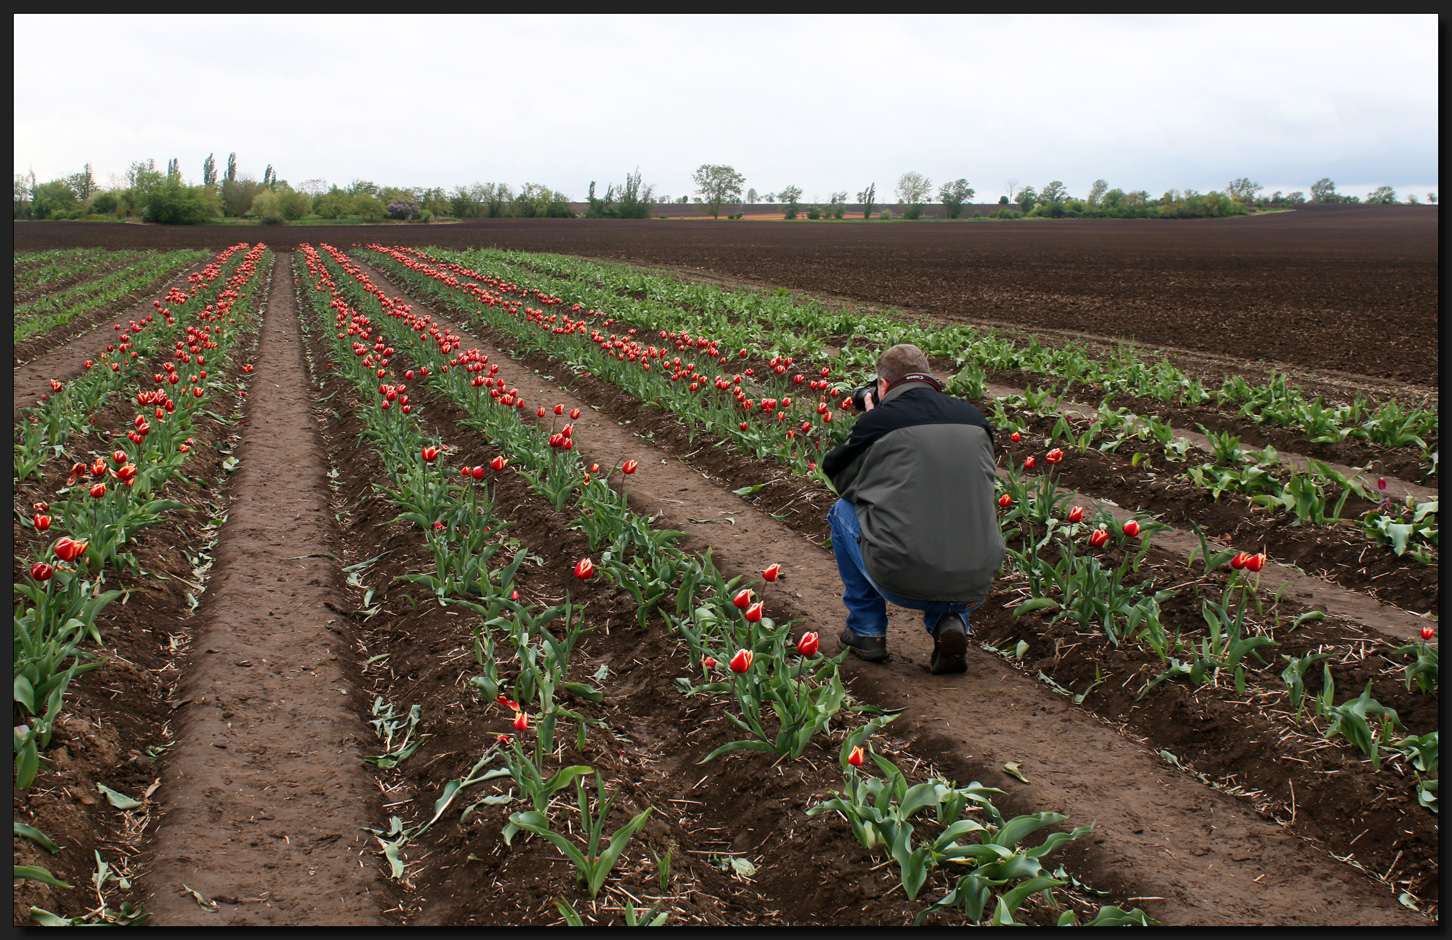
x,y
265,795
1191,853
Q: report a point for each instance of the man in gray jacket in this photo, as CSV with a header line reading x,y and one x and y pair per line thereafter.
x,y
915,524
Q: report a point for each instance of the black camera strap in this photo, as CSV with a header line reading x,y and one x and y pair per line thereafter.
x,y
916,377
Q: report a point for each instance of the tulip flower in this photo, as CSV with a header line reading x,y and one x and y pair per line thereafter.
x,y
741,661
498,463
807,645
559,409
120,457
1076,514
69,550
574,413
584,568
42,522
1097,538
1255,562
754,612
629,467
742,600
1005,501
430,454
857,757
1054,456
1428,631
1131,528
477,473
772,573
708,662
98,490
1028,463
40,571
1015,437
540,413
98,469
1239,561
521,721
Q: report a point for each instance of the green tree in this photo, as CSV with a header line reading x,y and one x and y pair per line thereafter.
x,y
838,206
231,166
237,195
1243,190
268,179
1324,190
209,171
52,199
1097,191
171,203
367,207
868,197
953,195
751,196
173,169
1027,198
718,184
790,196
1054,193
1432,198
1382,196
913,188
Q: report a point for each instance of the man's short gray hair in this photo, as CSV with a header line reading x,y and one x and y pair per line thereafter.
x,y
901,360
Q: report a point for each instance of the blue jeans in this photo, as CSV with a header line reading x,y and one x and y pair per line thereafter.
x,y
866,602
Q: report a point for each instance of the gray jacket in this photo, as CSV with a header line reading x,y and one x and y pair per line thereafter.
x,y
919,469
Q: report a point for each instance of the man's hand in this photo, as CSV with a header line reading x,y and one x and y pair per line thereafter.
x,y
870,402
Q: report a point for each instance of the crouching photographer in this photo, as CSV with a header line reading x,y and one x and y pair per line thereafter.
x,y
916,523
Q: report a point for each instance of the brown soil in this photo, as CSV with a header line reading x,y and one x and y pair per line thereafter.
x,y
1164,841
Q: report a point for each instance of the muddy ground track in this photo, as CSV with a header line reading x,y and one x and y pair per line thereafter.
x,y
716,539
947,751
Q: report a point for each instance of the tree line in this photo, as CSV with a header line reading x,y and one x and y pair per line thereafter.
x,y
147,193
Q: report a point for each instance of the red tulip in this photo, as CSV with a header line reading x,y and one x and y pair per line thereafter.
x,y
742,600
540,413
498,463
69,550
126,474
574,413
754,612
98,469
1238,562
708,662
741,661
477,473
1015,437
1076,514
584,568
857,757
772,573
629,467
42,522
807,645
1005,501
1028,463
1054,456
1097,538
559,409
521,721
120,457
98,490
1428,631
430,454
1131,528
1255,562
40,571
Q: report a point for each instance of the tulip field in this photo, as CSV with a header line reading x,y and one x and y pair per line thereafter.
x,y
362,578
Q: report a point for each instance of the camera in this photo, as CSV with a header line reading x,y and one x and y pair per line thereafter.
x,y
862,393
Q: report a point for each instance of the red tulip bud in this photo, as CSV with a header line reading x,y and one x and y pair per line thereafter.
x,y
42,522
807,645
741,661
1428,631
857,757
477,473
1005,501
584,568
521,721
772,573
629,467
742,600
1238,562
1098,537
98,490
754,612
708,662
1076,514
69,550
1054,456
1131,528
1015,437
1028,463
1255,562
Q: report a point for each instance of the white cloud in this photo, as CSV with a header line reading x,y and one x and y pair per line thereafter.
x,y
827,103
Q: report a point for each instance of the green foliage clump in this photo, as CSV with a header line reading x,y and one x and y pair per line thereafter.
x,y
171,203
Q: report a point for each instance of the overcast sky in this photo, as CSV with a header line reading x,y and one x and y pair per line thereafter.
x,y
826,103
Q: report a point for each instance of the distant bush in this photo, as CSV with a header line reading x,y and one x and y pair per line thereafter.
x,y
913,212
171,203
814,213
1004,212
